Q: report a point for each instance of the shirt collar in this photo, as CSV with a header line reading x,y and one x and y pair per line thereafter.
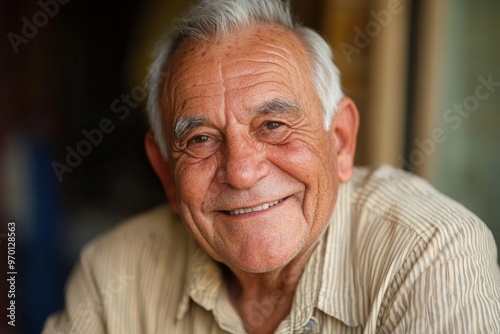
x,y
204,285
327,282
203,280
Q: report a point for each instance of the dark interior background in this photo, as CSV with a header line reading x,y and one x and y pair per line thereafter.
x,y
64,81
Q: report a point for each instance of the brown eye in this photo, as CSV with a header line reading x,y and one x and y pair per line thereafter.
x,y
272,125
273,132
199,139
201,146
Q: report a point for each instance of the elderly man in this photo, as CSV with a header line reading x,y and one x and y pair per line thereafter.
x,y
269,227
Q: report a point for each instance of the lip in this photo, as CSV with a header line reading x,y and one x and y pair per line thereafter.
x,y
255,209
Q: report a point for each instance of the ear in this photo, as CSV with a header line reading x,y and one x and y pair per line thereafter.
x,y
345,130
162,169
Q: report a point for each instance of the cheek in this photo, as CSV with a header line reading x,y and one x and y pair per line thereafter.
x,y
306,162
193,181
314,167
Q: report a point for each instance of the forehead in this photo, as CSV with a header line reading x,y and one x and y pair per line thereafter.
x,y
263,59
264,39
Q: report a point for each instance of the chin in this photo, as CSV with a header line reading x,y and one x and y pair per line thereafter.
x,y
266,257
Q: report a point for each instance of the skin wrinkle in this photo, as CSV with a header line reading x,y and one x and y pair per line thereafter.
x,y
181,87
275,53
185,124
271,48
252,73
258,61
224,89
251,86
266,66
263,73
281,58
175,77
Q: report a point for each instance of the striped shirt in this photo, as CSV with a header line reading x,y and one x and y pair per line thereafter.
x,y
398,257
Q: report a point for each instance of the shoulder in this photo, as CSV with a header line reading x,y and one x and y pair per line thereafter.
x,y
159,220
156,224
123,275
403,200
412,242
402,224
141,242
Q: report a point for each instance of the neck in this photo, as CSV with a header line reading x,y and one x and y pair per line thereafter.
x,y
263,300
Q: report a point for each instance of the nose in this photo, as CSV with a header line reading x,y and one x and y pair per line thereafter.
x,y
243,163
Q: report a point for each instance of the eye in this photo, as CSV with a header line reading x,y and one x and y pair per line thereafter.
x,y
199,139
202,146
272,125
273,132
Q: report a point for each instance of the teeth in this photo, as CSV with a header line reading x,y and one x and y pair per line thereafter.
x,y
257,208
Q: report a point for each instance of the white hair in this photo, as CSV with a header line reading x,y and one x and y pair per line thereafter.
x,y
209,19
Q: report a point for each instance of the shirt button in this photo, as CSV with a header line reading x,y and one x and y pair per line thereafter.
x,y
312,326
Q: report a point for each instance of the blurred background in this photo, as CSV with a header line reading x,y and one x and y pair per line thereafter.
x,y
424,74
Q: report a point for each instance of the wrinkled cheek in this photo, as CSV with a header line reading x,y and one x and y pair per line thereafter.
x,y
193,183
322,192
330,198
190,209
183,181
190,197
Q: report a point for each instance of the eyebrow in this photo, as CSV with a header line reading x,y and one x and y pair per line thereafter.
x,y
278,105
185,124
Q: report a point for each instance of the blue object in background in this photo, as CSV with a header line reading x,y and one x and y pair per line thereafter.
x,y
44,294
35,207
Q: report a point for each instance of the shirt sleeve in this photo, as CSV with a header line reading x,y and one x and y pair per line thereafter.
x,y
83,311
452,285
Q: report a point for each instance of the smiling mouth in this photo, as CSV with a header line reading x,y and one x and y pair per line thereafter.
x,y
255,209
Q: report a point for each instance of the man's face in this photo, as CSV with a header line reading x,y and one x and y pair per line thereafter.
x,y
254,170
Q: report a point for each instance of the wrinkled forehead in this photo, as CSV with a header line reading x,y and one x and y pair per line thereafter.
x,y
265,47
240,40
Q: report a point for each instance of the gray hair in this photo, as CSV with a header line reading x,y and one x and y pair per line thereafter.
x,y
217,18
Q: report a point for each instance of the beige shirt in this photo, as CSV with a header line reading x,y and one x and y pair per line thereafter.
x,y
398,257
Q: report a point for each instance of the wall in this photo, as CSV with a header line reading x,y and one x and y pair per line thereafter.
x,y
467,165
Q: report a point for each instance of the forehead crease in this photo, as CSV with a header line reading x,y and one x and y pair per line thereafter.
x,y
198,96
258,66
205,88
279,51
186,73
261,75
276,85
179,67
274,52
291,52
210,88
196,77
